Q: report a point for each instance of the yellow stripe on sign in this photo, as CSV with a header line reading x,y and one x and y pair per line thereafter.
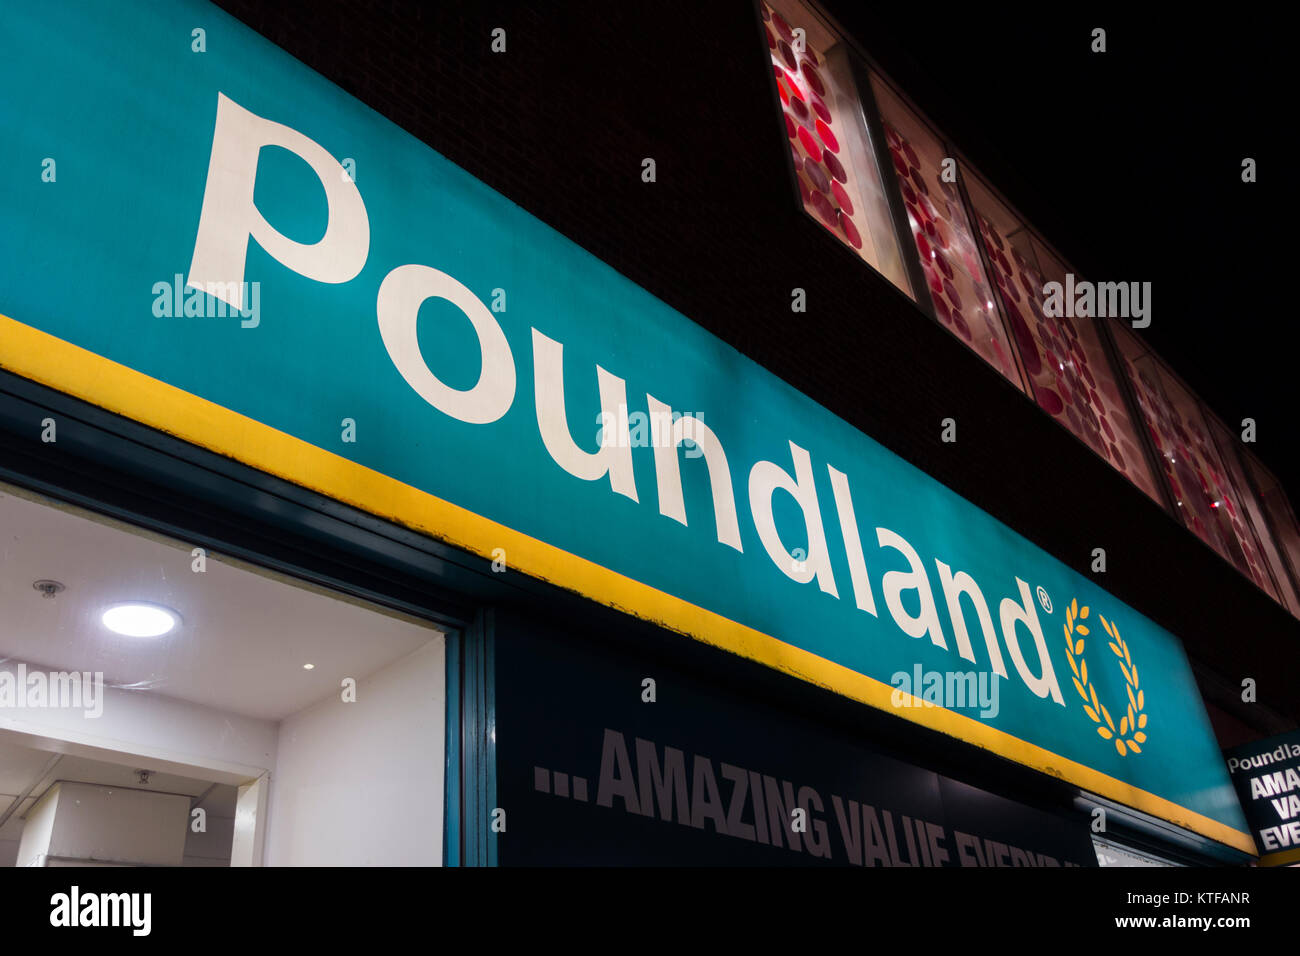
x,y
1281,858
41,357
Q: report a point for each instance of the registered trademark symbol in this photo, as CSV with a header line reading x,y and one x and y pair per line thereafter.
x,y
1044,599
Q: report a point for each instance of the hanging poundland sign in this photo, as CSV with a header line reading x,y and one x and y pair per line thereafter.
x,y
1267,776
199,233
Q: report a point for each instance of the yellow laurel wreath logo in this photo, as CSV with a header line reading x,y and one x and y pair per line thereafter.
x,y
1131,733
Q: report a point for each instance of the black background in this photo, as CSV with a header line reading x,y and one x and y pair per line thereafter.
x,y
1129,162
672,911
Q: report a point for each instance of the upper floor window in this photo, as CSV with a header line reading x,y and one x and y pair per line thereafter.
x,y
834,161
1070,373
1211,495
1284,526
955,275
875,174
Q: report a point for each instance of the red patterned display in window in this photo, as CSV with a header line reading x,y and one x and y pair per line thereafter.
x,y
1063,356
1207,500
810,122
962,298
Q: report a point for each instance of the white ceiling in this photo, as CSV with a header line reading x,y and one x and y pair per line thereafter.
x,y
245,636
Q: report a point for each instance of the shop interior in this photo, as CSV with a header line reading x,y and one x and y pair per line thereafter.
x,y
165,706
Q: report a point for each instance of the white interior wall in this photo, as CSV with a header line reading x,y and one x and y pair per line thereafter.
x,y
168,734
107,824
361,784
212,847
37,829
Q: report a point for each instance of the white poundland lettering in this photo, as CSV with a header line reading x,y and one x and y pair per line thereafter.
x,y
1280,837
1282,752
229,219
1274,784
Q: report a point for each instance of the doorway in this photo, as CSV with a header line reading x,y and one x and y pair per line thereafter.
x,y
163,705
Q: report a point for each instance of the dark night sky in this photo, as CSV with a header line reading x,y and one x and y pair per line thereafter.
x,y
1129,163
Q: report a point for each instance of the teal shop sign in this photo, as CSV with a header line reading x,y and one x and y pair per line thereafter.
x,y
223,245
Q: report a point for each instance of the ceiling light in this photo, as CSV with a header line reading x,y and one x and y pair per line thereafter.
x,y
48,588
308,667
140,620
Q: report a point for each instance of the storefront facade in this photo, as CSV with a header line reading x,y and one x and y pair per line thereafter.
x,y
686,612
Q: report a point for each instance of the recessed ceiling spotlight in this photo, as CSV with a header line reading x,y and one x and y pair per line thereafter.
x,y
308,667
140,620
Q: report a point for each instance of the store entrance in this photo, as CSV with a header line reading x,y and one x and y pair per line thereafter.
x,y
162,705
